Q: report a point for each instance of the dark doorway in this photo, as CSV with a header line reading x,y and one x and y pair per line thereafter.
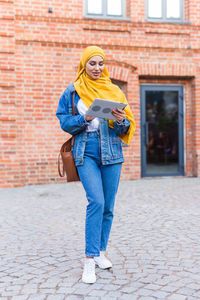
x,y
162,130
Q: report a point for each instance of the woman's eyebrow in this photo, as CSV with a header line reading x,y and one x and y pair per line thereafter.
x,y
94,61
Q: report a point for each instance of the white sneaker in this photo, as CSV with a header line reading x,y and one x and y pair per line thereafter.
x,y
102,261
89,271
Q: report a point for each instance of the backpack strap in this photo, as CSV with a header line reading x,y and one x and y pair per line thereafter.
x,y
74,113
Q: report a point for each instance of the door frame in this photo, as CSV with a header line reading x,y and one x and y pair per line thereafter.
x,y
162,87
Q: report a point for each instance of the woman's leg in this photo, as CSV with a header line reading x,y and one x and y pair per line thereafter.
x,y
110,178
90,176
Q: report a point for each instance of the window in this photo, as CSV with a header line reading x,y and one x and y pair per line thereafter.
x,y
105,9
165,10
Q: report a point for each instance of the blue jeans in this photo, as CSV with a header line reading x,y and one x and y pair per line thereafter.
x,y
100,183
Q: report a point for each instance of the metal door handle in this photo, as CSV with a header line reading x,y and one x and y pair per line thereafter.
x,y
146,133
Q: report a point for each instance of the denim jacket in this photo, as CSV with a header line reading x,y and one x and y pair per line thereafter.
x,y
111,145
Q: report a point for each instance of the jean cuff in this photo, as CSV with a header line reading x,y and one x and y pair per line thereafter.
x,y
92,254
82,121
102,249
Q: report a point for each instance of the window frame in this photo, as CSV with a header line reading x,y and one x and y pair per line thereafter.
x,y
104,14
164,18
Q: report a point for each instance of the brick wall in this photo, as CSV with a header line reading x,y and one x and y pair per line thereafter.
x,y
9,165
39,55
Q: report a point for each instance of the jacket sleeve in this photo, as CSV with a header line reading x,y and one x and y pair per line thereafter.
x,y
68,122
121,127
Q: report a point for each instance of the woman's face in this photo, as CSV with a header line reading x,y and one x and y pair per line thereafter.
x,y
94,67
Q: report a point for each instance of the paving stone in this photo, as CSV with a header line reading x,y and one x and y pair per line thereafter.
x,y
194,286
98,293
168,288
144,292
129,297
186,291
82,291
56,297
153,287
37,297
111,287
91,298
8,294
73,297
46,291
104,281
196,294
114,294
177,284
147,298
160,295
177,297
121,281
129,290
49,284
14,288
96,286
19,297
65,290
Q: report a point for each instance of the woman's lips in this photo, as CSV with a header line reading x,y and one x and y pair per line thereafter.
x,y
96,74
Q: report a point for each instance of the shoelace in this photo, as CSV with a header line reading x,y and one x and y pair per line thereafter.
x,y
89,267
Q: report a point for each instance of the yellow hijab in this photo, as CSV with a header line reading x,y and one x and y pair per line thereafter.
x,y
88,89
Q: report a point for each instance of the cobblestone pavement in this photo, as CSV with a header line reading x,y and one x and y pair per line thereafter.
x,y
154,243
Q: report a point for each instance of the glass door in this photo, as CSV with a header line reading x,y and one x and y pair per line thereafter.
x,y
162,130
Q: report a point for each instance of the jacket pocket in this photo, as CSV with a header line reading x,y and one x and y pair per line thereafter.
x,y
116,147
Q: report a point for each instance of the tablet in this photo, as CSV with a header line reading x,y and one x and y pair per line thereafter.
x,y
103,108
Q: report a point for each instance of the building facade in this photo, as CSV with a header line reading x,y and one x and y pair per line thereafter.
x,y
153,53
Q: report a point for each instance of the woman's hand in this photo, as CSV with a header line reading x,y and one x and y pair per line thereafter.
x,y
119,114
88,118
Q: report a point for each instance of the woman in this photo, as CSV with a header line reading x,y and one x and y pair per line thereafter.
x,y
97,151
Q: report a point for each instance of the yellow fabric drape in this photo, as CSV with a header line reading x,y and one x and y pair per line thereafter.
x,y
88,89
